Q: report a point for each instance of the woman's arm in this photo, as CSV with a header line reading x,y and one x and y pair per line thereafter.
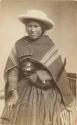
x,y
12,89
13,79
11,76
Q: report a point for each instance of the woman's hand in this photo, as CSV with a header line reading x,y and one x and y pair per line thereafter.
x,y
13,99
43,76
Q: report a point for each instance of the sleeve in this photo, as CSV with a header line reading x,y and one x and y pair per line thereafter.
x,y
13,79
11,72
12,60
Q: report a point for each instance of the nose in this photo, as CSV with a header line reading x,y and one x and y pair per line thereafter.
x,y
33,28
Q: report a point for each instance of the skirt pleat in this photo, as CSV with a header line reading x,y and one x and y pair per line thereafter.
x,y
36,107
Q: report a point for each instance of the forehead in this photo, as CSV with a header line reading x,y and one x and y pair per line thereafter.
x,y
33,22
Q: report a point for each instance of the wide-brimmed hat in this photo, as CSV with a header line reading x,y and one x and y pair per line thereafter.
x,y
38,16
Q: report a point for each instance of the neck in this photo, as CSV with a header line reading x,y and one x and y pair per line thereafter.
x,y
33,40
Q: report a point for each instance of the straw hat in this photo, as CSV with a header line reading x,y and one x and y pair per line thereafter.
x,y
38,16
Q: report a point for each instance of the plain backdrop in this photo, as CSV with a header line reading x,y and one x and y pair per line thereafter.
x,y
63,13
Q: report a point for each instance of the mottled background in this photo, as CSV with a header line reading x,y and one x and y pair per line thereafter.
x,y
63,13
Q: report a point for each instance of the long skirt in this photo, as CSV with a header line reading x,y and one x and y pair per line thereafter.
x,y
34,107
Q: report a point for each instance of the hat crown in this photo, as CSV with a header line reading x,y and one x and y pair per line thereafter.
x,y
36,13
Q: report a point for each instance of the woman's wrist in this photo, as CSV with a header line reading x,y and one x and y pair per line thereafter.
x,y
13,92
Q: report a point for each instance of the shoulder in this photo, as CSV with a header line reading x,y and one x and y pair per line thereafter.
x,y
48,40
21,41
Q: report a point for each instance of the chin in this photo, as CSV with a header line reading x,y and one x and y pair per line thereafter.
x,y
34,38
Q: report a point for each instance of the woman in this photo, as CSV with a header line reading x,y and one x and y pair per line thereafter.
x,y
36,88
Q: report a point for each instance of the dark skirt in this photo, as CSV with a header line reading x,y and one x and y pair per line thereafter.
x,y
35,106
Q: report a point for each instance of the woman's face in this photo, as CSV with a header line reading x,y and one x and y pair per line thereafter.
x,y
34,29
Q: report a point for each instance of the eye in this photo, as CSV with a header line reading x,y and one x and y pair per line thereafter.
x,y
36,26
29,26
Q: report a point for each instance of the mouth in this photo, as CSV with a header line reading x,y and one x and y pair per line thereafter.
x,y
33,34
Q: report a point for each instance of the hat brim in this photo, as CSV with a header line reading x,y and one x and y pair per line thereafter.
x,y
47,22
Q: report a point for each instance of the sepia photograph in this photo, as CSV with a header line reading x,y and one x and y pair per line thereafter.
x,y
38,62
